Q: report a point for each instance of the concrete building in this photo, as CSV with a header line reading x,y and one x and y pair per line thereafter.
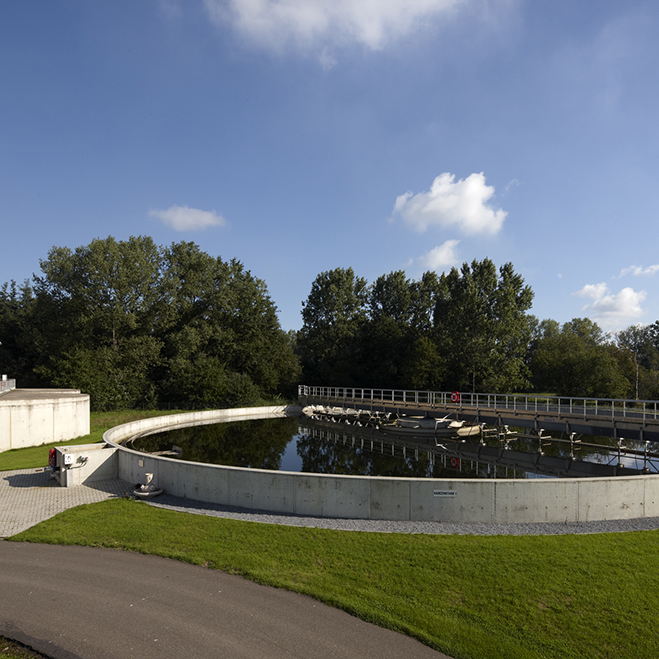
x,y
32,417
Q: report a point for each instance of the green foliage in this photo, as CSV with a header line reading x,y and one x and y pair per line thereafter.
x,y
578,361
135,324
640,345
20,336
482,327
465,330
12,650
333,316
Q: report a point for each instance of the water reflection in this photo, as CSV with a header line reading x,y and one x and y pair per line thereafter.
x,y
293,444
285,444
256,443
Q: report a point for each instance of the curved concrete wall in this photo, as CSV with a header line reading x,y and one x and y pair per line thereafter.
x,y
32,417
367,497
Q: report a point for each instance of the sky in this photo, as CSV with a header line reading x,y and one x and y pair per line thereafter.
x,y
299,136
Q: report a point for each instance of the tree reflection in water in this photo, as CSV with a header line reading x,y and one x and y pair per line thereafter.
x,y
262,443
334,453
323,449
257,443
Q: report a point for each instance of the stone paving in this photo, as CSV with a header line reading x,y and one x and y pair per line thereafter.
x,y
29,496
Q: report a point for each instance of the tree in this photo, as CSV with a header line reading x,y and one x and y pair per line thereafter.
x,y
639,342
577,361
333,316
391,297
482,327
132,323
423,368
423,302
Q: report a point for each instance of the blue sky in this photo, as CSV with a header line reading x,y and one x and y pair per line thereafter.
x,y
299,136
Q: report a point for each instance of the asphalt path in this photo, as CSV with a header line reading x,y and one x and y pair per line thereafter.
x,y
92,603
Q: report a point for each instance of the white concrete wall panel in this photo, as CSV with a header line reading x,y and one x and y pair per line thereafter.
x,y
651,497
310,494
346,496
547,500
389,498
445,500
31,424
612,498
91,463
270,490
35,417
5,429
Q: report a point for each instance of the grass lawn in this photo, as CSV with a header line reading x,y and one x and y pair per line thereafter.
x,y
477,597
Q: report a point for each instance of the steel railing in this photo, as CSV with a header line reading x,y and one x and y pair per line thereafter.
x,y
586,407
7,385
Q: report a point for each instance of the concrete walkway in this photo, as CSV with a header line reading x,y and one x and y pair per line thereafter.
x,y
29,496
92,603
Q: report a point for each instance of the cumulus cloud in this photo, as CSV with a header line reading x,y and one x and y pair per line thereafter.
x,y
609,310
463,204
315,24
184,218
441,257
638,271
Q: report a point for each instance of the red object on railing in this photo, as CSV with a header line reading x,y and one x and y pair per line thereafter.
x,y
455,397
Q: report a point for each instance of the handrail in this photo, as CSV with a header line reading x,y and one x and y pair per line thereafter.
x,y
7,385
614,408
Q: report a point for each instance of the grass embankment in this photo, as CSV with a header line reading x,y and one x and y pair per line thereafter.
x,y
481,597
37,456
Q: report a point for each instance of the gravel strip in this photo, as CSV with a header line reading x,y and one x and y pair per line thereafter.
x,y
170,502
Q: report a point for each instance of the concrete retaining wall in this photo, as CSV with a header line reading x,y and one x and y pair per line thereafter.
x,y
416,499
31,417
88,463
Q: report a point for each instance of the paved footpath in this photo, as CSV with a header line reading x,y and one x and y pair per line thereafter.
x,y
29,496
92,603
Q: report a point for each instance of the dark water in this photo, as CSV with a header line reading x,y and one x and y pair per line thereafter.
x,y
292,444
301,445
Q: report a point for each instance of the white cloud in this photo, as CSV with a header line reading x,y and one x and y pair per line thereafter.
x,y
184,218
612,311
447,203
441,257
315,24
638,271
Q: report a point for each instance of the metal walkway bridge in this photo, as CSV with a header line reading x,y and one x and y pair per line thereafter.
x,y
620,419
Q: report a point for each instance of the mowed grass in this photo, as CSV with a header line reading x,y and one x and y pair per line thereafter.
x,y
477,597
37,456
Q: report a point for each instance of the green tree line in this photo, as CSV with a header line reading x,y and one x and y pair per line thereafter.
x,y
137,324
468,330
